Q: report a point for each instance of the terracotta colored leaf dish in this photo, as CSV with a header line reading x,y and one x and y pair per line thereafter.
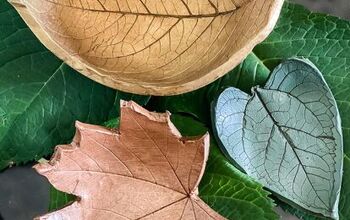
x,y
151,46
144,170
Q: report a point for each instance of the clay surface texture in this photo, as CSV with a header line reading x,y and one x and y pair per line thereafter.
x,y
287,136
151,47
144,170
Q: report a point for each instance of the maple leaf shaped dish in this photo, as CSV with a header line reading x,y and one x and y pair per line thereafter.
x,y
144,170
148,46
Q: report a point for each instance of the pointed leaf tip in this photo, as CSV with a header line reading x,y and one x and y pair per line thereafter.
x,y
43,168
17,3
153,116
81,127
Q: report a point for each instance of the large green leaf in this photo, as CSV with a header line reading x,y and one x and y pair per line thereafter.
x,y
344,205
223,187
140,99
59,199
287,135
232,193
40,97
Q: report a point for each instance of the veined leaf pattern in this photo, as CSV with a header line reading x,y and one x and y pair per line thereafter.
x,y
287,135
143,170
151,47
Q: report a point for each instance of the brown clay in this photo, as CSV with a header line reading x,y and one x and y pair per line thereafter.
x,y
151,46
144,170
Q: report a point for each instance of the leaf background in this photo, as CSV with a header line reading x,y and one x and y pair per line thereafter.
x,y
322,39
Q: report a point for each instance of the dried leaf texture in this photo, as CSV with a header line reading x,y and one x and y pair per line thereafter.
x,y
146,170
151,47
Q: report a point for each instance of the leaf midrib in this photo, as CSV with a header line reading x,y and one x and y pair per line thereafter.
x,y
210,15
122,175
32,100
292,146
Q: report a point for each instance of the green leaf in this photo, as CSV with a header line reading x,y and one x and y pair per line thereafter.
x,y
113,123
344,204
40,97
249,73
223,187
140,99
233,193
300,213
59,199
287,135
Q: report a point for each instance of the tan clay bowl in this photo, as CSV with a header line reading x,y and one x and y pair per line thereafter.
x,y
156,47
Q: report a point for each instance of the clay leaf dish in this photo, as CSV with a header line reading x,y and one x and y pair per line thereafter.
x,y
143,170
287,135
148,46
